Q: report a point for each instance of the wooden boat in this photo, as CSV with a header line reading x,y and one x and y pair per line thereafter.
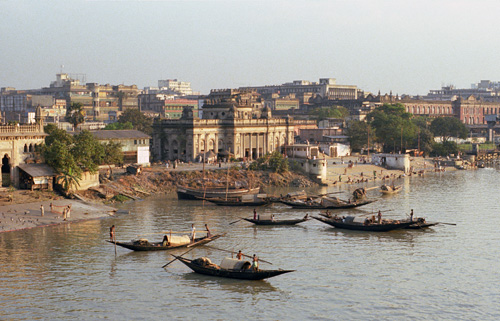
x,y
386,189
326,206
238,202
241,271
360,224
420,223
186,193
277,222
144,245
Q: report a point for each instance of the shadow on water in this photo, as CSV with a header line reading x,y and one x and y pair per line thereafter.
x,y
231,285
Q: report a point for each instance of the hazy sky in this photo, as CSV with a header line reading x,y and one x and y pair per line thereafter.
x,y
403,46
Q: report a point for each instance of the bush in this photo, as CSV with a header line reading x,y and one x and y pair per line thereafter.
x,y
444,149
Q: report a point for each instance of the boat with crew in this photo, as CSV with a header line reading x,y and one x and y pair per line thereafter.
x,y
229,268
169,242
244,200
326,203
364,224
277,222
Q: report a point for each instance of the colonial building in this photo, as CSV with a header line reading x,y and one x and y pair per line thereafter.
x,y
166,106
17,146
233,122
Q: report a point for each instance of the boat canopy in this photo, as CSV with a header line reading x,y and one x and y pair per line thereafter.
x,y
354,219
177,240
234,264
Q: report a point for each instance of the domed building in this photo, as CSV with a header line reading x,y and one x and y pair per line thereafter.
x,y
232,122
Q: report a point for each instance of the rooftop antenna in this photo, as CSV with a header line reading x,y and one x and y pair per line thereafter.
x,y
62,66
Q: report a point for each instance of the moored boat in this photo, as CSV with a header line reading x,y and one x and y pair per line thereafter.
x,y
173,242
187,193
229,268
326,205
386,189
364,224
244,200
420,223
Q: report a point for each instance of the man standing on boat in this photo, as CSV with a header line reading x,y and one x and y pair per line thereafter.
x,y
411,215
193,232
209,235
255,263
379,217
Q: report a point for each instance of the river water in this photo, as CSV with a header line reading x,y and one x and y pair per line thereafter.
x,y
445,272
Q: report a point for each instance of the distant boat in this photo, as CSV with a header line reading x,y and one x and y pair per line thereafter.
x,y
277,222
229,268
238,202
186,193
176,242
363,224
325,204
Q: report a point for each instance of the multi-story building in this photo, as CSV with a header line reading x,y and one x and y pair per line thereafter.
x,y
485,89
174,86
163,105
326,88
234,122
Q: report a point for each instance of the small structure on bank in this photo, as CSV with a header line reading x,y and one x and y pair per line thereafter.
x,y
396,161
36,176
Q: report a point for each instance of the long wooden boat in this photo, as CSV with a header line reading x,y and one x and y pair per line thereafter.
x,y
420,223
277,222
245,272
350,223
319,206
158,246
186,193
238,202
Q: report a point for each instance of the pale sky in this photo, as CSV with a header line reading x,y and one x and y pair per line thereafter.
x,y
408,47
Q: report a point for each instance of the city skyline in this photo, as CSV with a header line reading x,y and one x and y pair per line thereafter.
x,y
406,48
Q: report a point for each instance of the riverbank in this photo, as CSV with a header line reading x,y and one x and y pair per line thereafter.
x,y
20,216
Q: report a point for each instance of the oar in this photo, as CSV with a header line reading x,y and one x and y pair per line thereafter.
x,y
447,223
251,257
200,241
241,219
178,256
377,212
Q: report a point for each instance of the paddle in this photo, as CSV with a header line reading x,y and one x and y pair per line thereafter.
x,y
200,241
241,219
177,257
215,248
447,223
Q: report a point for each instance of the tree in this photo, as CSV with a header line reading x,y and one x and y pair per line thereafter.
x,y
358,132
75,114
447,127
274,161
56,134
322,113
119,126
393,126
69,179
88,151
138,120
112,153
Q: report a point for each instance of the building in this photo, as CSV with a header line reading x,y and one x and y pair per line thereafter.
x,y
233,122
174,86
325,88
18,144
167,106
485,89
135,144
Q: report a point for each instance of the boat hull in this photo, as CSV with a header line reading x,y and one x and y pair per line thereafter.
x,y
330,207
280,222
233,203
184,193
361,227
232,274
157,246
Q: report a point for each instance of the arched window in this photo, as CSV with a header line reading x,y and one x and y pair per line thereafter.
x,y
25,148
31,148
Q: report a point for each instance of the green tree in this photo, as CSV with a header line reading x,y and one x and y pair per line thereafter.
x,y
56,134
424,139
447,127
75,114
274,161
138,120
69,179
445,148
88,151
393,126
119,126
358,132
112,153
322,113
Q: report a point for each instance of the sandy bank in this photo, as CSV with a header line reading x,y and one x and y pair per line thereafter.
x,y
28,215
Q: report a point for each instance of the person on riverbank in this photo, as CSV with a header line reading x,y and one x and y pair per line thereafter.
x,y
193,233
65,212
112,233
42,210
68,211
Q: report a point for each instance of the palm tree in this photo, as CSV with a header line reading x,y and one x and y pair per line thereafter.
x,y
69,179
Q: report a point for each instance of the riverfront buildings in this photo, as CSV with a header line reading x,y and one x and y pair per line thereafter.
x,y
234,123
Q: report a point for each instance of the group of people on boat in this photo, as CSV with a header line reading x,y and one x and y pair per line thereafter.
x,y
255,260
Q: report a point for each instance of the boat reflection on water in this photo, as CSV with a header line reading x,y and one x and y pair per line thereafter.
x,y
231,285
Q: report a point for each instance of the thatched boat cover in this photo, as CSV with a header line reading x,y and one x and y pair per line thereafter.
x,y
234,264
179,239
354,219
331,201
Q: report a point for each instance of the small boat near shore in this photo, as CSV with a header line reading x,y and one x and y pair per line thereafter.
x,y
364,224
229,268
277,222
173,243
186,193
244,200
390,189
